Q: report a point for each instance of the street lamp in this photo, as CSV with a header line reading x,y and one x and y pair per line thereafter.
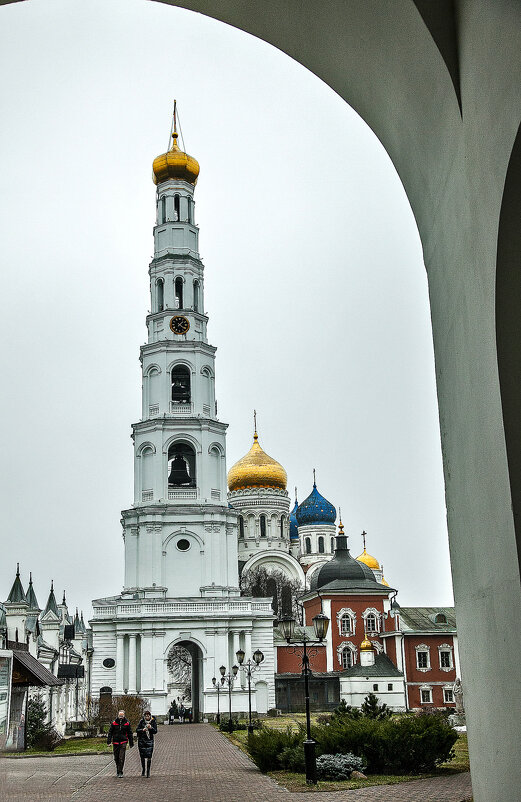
x,y
249,667
229,679
320,626
217,686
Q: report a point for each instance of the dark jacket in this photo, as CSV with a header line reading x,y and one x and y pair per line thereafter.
x,y
146,744
120,732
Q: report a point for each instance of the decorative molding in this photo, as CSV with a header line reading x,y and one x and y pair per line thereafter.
x,y
352,615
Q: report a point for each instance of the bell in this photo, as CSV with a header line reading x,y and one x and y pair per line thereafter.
x,y
178,472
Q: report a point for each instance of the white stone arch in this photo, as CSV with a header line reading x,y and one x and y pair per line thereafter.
x,y
346,644
181,361
154,367
180,437
346,611
184,533
144,446
372,611
207,370
218,447
181,639
277,560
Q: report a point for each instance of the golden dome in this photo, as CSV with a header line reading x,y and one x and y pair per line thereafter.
x,y
366,645
175,164
257,469
368,560
383,581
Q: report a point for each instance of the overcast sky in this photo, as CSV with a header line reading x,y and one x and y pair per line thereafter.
x,y
314,285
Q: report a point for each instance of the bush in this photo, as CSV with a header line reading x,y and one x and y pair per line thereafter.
x,y
39,734
266,746
338,767
224,726
372,709
345,711
133,705
292,759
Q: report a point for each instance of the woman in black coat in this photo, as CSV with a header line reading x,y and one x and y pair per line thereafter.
x,y
146,729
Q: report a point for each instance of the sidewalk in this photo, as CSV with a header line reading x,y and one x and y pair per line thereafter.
x,y
192,763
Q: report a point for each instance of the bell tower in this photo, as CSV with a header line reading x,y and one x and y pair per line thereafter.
x,y
180,535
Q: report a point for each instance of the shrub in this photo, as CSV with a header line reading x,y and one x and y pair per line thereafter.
x,y
39,734
266,746
345,711
133,705
292,758
338,767
372,709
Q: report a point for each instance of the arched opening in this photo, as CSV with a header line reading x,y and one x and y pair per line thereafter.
x,y
321,548
162,210
190,210
196,295
181,393
347,657
307,545
241,526
178,291
346,624
262,523
282,520
332,545
147,471
177,207
160,295
184,664
371,624
181,465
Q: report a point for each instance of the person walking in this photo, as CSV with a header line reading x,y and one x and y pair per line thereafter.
x,y
146,729
119,735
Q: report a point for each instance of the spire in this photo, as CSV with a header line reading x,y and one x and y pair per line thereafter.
x,y
341,538
31,595
296,499
364,535
255,435
51,603
17,593
314,478
64,603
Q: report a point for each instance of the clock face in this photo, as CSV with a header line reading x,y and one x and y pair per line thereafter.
x,y
179,324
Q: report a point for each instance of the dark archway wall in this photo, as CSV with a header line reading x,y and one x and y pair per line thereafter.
x,y
440,84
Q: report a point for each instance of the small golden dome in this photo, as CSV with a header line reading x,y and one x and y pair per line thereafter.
x,y
257,469
366,645
175,164
368,560
384,582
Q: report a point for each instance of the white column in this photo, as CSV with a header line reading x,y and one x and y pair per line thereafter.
x,y
132,664
119,663
147,662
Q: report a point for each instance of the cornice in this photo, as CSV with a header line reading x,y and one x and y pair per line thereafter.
x,y
161,346
172,312
176,423
151,512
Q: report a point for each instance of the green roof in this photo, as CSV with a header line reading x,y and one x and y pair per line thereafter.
x,y
17,593
382,667
423,619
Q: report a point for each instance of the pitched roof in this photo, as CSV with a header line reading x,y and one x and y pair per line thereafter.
x,y
17,593
51,603
32,601
33,671
423,619
383,667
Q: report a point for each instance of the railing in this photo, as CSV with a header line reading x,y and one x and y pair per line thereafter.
x,y
173,495
182,608
180,409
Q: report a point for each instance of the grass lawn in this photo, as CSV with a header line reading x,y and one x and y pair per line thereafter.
x,y
297,782
72,746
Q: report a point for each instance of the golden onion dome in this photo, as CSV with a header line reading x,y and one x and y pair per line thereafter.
x,y
175,164
366,645
257,469
383,581
369,560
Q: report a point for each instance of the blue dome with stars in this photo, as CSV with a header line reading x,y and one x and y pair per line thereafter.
x,y
315,509
293,524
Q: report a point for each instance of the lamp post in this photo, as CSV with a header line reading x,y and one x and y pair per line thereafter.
x,y
320,625
217,686
249,667
229,679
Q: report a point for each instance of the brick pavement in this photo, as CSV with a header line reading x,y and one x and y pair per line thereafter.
x,y
195,763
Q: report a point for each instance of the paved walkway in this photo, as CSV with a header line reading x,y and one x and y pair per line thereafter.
x,y
192,763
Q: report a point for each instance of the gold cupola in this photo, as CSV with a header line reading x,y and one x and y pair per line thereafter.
x,y
175,164
368,559
256,469
366,645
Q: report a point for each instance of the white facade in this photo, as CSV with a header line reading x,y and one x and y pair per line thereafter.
x,y
181,558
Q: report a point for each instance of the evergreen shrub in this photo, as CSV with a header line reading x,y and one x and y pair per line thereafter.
x,y
338,767
39,734
266,746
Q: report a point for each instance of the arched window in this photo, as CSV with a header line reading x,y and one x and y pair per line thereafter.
x,y
347,657
162,213
190,210
307,544
262,521
282,526
440,618
176,208
196,295
271,589
178,288
181,465
321,548
346,625
241,526
371,624
147,469
160,294
181,385
332,545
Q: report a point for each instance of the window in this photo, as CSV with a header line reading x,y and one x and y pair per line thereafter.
x,y
262,521
176,208
448,696
190,210
389,686
371,623
160,287
241,526
321,548
162,212
307,544
445,658
178,287
347,657
181,465
183,544
181,384
346,625
375,686
440,618
332,544
422,659
196,296
282,526
426,696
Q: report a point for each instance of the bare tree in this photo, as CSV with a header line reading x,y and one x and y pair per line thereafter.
x,y
179,664
274,584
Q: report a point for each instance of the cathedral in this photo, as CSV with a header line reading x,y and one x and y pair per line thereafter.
x,y
213,560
